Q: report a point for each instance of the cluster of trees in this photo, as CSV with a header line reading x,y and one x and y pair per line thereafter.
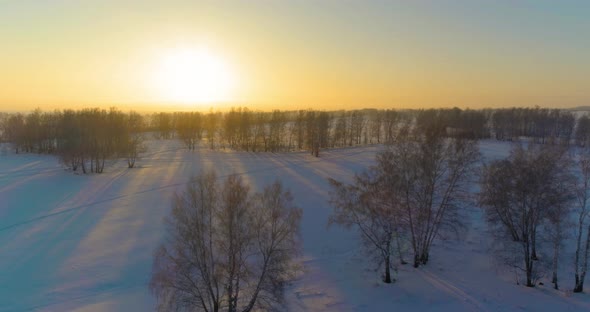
x,y
86,138
470,124
227,249
283,131
163,124
541,124
415,193
529,198
521,195
230,250
189,128
31,132
412,196
276,131
81,139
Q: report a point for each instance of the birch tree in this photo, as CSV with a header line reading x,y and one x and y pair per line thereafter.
x,y
226,249
582,190
416,191
518,194
362,206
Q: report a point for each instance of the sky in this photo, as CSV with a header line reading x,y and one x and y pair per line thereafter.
x,y
293,54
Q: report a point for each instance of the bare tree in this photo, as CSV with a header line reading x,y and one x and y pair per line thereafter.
x,y
434,173
260,132
133,142
416,190
558,212
276,242
15,131
163,124
190,128
582,132
361,206
211,126
376,126
518,194
557,217
582,190
277,125
226,249
339,138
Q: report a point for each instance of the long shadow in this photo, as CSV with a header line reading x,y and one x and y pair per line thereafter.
x,y
39,246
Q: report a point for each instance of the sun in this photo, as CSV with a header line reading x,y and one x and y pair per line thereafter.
x,y
194,76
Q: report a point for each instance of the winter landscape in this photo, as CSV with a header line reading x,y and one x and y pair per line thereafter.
x,y
294,156
74,241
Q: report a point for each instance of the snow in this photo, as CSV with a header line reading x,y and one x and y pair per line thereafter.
x,y
72,242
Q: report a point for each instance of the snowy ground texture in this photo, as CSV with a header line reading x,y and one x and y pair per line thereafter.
x,y
73,242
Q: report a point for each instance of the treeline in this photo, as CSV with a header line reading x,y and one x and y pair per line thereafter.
x,y
279,131
284,131
80,138
541,124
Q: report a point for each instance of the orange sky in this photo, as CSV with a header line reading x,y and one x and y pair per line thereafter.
x,y
298,54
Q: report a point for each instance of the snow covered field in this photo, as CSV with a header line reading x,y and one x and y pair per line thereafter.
x,y
72,242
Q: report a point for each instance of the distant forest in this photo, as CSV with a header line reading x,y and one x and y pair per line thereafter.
x,y
86,138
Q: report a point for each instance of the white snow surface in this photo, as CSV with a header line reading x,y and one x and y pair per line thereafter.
x,y
73,242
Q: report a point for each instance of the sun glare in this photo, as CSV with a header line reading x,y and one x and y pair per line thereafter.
x,y
194,76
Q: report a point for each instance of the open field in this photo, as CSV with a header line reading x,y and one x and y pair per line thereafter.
x,y
85,243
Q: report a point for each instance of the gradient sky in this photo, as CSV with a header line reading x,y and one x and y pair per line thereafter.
x,y
300,54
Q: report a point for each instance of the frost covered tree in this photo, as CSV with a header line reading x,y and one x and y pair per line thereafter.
x,y
582,190
434,172
557,217
132,144
211,121
519,194
361,205
415,192
226,249
189,127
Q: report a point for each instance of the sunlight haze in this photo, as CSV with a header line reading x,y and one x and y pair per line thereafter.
x,y
171,55
294,155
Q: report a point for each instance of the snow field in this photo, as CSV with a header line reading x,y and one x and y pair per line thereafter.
x,y
71,242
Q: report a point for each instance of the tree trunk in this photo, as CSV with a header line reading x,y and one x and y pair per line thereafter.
x,y
580,282
529,263
387,278
534,247
424,257
578,286
399,250
131,162
529,275
555,264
